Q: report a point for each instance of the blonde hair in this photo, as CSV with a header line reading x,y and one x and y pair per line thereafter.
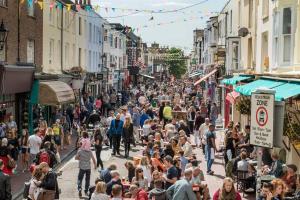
x,y
144,161
49,131
127,121
100,187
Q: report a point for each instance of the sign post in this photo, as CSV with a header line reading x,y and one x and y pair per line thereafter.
x,y
262,125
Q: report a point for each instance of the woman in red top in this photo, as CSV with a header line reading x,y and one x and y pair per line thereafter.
x,y
227,192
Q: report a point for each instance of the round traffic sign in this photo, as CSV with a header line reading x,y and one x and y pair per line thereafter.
x,y
262,116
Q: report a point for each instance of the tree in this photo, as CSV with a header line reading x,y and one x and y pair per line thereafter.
x,y
176,62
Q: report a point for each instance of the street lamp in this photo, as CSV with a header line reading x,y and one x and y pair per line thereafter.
x,y
3,35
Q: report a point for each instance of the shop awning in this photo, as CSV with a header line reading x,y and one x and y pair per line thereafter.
x,y
232,96
15,79
55,92
234,80
195,74
286,91
247,89
205,77
147,76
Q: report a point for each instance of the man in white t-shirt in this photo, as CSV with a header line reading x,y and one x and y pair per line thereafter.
x,y
202,130
35,143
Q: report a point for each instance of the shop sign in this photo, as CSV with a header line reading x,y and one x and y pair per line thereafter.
x,y
262,119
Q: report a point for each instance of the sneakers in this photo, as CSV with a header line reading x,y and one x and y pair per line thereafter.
x,y
210,172
80,194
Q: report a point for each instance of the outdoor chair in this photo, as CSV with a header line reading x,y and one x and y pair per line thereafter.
x,y
241,181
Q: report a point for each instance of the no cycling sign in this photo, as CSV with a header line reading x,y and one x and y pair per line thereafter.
x,y
262,118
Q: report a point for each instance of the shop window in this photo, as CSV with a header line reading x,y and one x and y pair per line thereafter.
x,y
3,3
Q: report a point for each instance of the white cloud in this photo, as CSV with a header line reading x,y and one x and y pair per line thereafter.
x,y
170,3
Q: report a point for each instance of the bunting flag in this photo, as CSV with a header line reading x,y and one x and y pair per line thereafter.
x,y
88,8
113,9
78,7
41,4
152,18
51,5
30,3
97,7
22,1
59,5
69,7
106,9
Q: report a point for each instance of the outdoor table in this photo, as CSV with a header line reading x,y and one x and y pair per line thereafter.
x,y
267,178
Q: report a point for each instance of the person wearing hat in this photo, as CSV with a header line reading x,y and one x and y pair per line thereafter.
x,y
210,147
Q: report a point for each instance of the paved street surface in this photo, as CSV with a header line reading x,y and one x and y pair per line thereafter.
x,y
68,180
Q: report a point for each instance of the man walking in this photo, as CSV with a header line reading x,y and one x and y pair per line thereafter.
x,y
34,142
5,187
115,131
202,130
136,118
210,147
84,156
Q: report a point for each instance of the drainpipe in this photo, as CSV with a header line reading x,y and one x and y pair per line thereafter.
x,y
62,40
18,56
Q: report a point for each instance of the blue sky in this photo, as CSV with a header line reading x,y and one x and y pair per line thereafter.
x,y
179,33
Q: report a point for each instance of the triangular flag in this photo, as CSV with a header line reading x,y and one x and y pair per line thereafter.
x,y
59,5
113,9
96,7
22,1
30,3
36,1
88,8
41,4
133,29
152,18
137,30
106,9
51,5
78,7
69,7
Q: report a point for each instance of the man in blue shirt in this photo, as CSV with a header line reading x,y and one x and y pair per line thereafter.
x,y
172,172
115,132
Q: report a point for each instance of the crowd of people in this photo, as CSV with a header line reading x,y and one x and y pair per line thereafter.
x,y
169,122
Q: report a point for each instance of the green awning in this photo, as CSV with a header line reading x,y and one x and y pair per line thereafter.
x,y
234,80
286,91
247,89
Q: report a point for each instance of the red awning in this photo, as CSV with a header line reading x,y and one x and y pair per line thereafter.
x,y
205,77
231,97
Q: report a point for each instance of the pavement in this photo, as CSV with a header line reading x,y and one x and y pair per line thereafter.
x,y
68,181
18,180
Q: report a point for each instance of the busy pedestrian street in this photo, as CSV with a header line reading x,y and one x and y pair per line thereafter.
x,y
149,100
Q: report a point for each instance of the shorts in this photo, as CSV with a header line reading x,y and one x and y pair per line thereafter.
x,y
57,140
24,150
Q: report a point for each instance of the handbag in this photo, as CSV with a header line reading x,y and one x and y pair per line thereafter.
x,y
11,164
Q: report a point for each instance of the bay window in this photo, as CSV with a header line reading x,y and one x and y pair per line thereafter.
x,y
287,34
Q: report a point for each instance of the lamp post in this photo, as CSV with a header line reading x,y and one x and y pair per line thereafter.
x,y
3,35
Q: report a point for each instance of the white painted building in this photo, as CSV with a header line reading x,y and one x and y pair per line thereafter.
x,y
115,59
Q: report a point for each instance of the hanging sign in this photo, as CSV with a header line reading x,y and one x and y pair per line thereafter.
x,y
262,118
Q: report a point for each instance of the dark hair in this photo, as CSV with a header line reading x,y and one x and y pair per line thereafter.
x,y
268,185
243,155
85,134
247,127
47,145
293,167
169,159
116,190
97,180
158,183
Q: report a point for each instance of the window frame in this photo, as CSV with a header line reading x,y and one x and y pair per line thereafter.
x,y
3,3
32,57
282,35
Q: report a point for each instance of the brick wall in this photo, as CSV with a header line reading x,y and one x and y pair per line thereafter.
x,y
30,28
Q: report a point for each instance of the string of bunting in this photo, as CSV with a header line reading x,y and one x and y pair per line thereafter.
x,y
97,8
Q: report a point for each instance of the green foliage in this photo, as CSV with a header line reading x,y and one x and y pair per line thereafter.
x,y
176,62
244,106
291,128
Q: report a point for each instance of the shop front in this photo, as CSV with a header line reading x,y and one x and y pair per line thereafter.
x,y
15,82
46,97
287,93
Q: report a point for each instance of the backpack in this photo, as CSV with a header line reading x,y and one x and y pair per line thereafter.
x,y
44,157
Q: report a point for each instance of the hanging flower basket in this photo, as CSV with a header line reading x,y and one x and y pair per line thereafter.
x,y
244,106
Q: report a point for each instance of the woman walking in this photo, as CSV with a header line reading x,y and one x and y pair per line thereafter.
x,y
127,134
24,150
98,139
